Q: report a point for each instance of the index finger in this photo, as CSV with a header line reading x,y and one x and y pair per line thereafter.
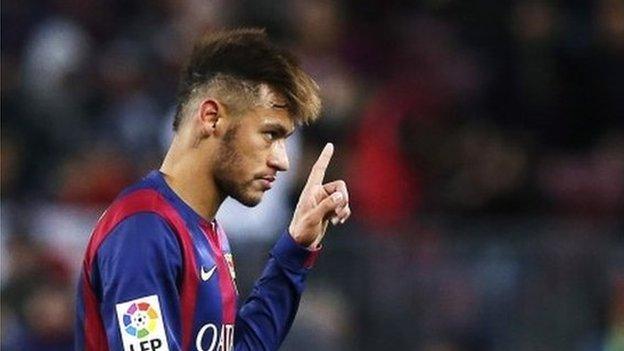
x,y
318,170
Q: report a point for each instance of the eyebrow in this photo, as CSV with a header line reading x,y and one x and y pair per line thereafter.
x,y
280,129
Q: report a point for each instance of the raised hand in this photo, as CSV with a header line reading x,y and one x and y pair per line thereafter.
x,y
319,203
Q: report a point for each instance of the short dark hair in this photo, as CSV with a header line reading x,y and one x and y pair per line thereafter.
x,y
240,60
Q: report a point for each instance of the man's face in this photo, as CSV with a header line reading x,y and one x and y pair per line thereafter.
x,y
252,151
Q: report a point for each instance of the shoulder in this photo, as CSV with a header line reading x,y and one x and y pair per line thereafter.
x,y
132,217
140,234
141,224
141,254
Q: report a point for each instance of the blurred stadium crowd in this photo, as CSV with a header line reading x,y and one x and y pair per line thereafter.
x,y
483,142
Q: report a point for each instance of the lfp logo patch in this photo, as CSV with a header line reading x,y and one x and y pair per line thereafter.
x,y
140,319
141,325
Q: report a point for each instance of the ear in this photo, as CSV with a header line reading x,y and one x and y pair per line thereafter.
x,y
210,113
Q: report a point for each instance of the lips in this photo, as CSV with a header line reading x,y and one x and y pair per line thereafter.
x,y
268,178
267,181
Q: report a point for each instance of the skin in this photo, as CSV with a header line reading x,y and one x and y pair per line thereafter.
x,y
215,154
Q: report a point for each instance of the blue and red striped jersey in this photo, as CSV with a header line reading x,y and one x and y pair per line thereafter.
x,y
157,276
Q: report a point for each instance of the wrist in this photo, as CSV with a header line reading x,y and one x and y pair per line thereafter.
x,y
293,254
309,244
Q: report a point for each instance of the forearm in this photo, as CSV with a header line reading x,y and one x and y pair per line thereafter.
x,y
267,315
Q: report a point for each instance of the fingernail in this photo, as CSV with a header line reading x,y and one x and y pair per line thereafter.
x,y
337,196
342,221
334,220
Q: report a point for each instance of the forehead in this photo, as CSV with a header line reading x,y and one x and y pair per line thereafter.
x,y
272,108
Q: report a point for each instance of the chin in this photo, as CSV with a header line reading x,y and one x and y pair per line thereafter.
x,y
248,200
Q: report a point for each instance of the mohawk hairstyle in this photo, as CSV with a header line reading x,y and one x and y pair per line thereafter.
x,y
237,62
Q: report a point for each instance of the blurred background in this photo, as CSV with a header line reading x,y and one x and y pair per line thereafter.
x,y
483,143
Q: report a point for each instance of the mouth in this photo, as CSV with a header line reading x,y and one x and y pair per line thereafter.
x,y
266,181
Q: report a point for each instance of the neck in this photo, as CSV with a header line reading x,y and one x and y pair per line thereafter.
x,y
188,175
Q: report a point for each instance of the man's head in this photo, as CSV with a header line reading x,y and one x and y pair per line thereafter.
x,y
239,98
234,64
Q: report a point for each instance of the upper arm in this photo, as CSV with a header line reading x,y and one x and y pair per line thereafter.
x,y
139,263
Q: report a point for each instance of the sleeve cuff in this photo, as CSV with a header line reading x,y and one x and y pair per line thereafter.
x,y
292,255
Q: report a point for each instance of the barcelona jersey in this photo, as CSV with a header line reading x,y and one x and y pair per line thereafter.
x,y
158,277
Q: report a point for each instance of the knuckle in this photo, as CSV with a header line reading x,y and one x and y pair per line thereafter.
x,y
308,221
328,204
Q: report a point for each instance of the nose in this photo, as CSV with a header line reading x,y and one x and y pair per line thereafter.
x,y
279,158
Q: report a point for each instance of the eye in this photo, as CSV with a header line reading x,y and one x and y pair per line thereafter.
x,y
270,135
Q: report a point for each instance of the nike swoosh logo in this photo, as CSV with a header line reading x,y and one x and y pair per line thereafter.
x,y
206,274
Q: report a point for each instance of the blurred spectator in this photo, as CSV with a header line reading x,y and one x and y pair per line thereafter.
x,y
465,184
615,332
36,303
94,178
591,183
54,59
385,189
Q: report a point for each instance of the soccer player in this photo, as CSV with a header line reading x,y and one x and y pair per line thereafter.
x,y
158,271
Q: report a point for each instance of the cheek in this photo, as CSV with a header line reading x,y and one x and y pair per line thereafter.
x,y
257,150
245,164
247,154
